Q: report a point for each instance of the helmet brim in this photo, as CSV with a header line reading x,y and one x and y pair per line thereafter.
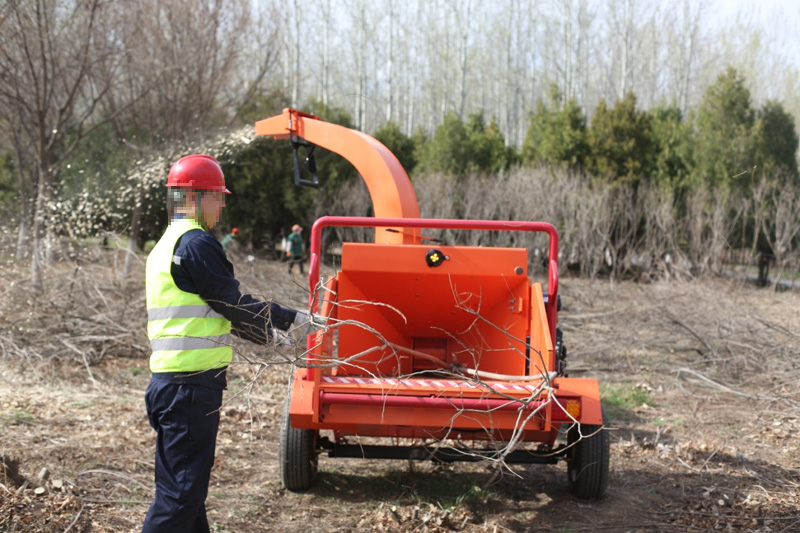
x,y
192,187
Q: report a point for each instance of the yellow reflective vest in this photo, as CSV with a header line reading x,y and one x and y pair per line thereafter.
x,y
186,335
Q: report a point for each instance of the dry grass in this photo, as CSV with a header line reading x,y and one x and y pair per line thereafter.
x,y
713,447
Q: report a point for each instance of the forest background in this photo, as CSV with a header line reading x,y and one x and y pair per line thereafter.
x,y
658,137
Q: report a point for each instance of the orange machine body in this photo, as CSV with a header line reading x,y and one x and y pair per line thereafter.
x,y
396,364
454,345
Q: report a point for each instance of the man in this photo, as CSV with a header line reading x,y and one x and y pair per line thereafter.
x,y
296,248
193,307
227,240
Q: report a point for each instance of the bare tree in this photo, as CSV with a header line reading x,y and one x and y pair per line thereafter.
x,y
326,53
26,179
623,26
411,68
520,37
295,47
49,55
683,51
390,64
464,19
179,88
254,39
782,228
362,30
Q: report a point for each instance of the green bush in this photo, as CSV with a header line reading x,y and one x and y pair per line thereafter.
x,y
556,134
401,146
620,144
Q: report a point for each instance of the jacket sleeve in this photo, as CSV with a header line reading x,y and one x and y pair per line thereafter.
x,y
205,270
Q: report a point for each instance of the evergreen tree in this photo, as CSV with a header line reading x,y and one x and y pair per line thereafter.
x,y
493,149
420,141
672,146
264,199
724,140
448,151
776,140
620,144
8,181
556,134
262,105
487,147
397,143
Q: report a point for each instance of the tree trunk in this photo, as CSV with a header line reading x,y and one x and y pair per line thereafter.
x,y
40,224
390,66
326,54
22,237
463,63
296,55
136,221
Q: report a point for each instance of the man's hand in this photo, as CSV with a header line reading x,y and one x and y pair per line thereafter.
x,y
281,339
309,322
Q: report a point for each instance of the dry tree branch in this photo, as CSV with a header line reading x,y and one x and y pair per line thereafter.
x,y
694,334
470,340
724,388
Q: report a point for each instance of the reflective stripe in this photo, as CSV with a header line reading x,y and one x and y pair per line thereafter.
x,y
182,311
190,343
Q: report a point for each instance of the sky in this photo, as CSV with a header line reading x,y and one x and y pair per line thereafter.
x,y
780,17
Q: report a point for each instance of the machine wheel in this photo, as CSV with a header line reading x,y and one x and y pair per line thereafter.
x,y
298,454
587,461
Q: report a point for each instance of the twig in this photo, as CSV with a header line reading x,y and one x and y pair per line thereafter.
x,y
720,386
83,356
677,321
724,516
124,502
778,328
709,458
790,527
687,465
75,520
117,474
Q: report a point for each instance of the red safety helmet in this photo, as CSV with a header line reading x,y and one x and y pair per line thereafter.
x,y
235,231
197,171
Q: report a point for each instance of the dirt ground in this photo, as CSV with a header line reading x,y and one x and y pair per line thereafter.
x,y
701,382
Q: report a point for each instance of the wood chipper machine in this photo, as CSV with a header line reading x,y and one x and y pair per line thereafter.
x,y
430,351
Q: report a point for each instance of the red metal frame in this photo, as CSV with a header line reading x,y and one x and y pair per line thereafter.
x,y
433,223
427,402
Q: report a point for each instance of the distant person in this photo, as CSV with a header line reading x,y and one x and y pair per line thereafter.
x,y
228,239
193,307
296,248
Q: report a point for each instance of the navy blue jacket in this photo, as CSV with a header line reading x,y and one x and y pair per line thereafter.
x,y
205,270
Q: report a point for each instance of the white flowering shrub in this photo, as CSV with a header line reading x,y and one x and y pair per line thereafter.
x,y
108,206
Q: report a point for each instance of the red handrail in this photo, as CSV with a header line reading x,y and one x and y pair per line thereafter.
x,y
436,223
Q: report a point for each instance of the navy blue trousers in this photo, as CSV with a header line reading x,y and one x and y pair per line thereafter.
x,y
296,260
186,418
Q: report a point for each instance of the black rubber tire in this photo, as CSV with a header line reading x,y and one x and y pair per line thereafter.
x,y
298,455
588,461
